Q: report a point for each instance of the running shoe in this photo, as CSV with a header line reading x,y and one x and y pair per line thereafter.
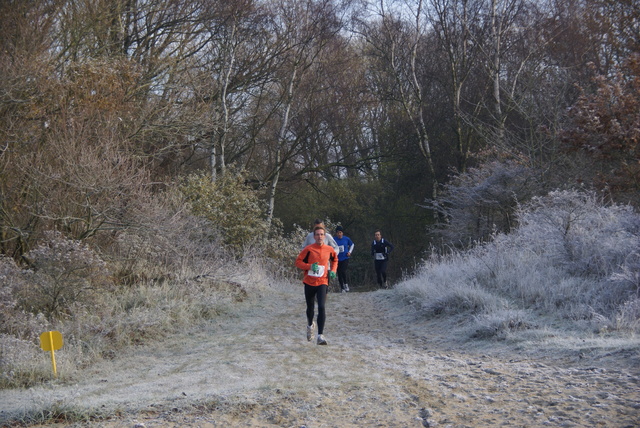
x,y
321,340
310,330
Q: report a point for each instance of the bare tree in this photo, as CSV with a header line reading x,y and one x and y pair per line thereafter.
x,y
398,44
72,163
512,44
453,23
24,65
234,63
333,125
304,29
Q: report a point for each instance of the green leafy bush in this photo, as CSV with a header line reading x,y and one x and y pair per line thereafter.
x,y
232,206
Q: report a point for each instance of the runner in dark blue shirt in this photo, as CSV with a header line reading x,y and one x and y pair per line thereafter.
x,y
345,248
380,250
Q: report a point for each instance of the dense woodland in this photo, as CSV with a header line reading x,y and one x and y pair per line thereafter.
x,y
153,131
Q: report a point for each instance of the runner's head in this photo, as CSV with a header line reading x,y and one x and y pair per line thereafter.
x,y
318,234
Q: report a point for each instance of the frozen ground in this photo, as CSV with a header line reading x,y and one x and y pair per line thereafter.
x,y
385,365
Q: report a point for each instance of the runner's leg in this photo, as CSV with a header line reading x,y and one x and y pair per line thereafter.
x,y
309,295
321,294
378,265
342,273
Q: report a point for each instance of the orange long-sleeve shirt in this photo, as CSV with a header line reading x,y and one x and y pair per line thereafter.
x,y
321,254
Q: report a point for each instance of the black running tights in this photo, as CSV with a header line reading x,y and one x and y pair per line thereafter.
x,y
310,294
381,271
342,272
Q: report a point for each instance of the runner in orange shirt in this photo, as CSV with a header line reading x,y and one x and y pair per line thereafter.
x,y
320,262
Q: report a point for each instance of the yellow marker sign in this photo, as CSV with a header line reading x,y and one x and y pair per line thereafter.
x,y
51,341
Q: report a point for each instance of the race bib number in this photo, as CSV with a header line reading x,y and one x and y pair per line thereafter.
x,y
379,256
317,274
340,248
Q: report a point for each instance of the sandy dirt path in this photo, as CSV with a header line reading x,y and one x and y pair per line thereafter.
x,y
384,366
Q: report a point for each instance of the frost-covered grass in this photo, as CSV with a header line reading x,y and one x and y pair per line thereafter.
x,y
129,316
571,258
135,285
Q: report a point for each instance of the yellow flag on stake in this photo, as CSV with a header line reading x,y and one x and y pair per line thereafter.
x,y
51,341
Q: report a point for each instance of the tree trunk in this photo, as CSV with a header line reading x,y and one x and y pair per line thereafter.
x,y
495,70
280,142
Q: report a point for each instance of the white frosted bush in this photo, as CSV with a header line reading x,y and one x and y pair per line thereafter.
x,y
574,230
477,203
571,256
628,315
447,285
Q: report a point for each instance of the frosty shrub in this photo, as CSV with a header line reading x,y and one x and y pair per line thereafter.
x,y
447,284
578,233
500,324
19,331
65,279
232,206
476,204
14,320
10,281
167,271
168,242
62,273
564,255
627,281
21,363
276,251
571,257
